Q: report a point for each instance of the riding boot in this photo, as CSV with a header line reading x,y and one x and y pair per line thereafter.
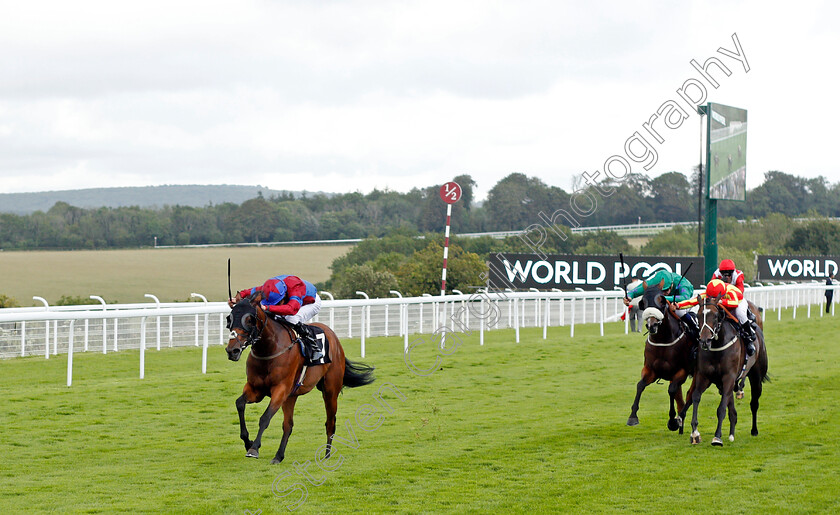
x,y
308,337
692,325
748,335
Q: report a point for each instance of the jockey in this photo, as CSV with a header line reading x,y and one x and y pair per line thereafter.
x,y
729,274
730,298
677,289
292,298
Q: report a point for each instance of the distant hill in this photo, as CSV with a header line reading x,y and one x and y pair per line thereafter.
x,y
146,197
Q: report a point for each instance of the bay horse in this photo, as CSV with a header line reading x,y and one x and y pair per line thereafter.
x,y
273,367
667,353
719,361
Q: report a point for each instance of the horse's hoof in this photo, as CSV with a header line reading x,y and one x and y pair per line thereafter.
x,y
717,442
731,438
252,453
739,394
275,460
754,432
674,424
633,421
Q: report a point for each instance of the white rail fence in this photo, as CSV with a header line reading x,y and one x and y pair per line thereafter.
x,y
48,331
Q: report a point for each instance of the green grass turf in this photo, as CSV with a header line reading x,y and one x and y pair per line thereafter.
x,y
170,274
537,426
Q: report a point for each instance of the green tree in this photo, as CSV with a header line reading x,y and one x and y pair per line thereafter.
x,y
674,242
819,237
364,278
672,200
422,273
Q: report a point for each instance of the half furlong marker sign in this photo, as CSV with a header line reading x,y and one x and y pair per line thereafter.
x,y
567,272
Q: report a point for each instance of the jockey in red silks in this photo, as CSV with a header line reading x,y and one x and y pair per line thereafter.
x,y
727,273
292,298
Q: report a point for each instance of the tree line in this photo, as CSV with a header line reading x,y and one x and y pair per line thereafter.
x,y
513,203
411,263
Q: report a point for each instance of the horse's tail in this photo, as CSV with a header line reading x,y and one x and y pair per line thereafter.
x,y
357,374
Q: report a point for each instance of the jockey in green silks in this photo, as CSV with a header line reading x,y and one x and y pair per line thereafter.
x,y
676,289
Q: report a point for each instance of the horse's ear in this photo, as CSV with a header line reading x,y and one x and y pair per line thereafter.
x,y
661,284
255,298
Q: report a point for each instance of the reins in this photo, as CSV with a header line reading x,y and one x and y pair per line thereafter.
x,y
292,344
254,336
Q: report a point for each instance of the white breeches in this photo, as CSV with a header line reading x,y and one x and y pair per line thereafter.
x,y
681,312
305,313
741,311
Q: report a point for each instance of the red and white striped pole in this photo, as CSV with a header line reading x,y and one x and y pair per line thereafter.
x,y
445,250
449,193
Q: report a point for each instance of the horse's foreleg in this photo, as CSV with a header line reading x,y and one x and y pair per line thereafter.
x,y
265,419
733,418
727,387
243,430
698,387
683,413
288,424
647,377
675,392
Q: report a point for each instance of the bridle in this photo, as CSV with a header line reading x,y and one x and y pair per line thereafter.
x,y
720,316
253,333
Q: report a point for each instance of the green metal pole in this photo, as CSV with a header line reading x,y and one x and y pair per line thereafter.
x,y
710,248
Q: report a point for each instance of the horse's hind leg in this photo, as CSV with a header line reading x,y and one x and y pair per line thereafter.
x,y
288,424
647,377
755,394
331,406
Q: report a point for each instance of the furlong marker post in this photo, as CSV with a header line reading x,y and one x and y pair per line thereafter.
x,y
449,193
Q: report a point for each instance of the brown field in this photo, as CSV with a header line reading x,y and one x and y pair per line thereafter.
x,y
170,274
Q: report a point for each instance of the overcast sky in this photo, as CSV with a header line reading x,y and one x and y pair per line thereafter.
x,y
351,95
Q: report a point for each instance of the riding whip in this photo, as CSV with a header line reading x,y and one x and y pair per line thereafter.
x,y
229,293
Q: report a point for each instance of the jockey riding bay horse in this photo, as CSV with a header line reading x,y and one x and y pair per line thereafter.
x,y
274,368
720,361
667,353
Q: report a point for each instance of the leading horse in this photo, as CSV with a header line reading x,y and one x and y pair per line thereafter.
x,y
273,367
720,361
667,353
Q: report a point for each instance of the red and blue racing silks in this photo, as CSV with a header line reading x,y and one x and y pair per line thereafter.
x,y
284,294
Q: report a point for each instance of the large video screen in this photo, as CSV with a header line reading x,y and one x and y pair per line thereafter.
x,y
727,152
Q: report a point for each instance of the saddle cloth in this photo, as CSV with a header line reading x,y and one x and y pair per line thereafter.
x,y
322,343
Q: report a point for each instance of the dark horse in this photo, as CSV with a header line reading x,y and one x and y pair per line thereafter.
x,y
274,366
667,353
719,362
